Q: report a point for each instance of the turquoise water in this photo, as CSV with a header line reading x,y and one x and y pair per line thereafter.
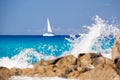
x,y
22,51
54,46
12,45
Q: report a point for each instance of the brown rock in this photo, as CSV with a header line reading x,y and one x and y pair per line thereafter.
x,y
101,72
67,61
84,62
49,71
66,65
102,60
43,70
4,73
73,74
46,62
15,71
39,70
116,49
57,67
99,60
28,72
58,72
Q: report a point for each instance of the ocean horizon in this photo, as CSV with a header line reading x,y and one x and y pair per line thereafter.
x,y
21,51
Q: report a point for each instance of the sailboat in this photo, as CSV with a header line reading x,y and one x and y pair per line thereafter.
x,y
49,29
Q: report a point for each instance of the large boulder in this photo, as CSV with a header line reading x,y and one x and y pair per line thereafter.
x,y
46,62
66,64
4,73
43,69
101,72
28,71
15,71
67,61
88,61
49,71
57,67
74,74
116,49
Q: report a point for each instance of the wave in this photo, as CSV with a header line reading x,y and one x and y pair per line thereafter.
x,y
100,34
99,39
24,59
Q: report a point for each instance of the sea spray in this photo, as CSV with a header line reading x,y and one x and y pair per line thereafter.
x,y
93,40
100,38
24,59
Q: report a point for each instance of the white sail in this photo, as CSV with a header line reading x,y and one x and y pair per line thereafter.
x,y
49,29
48,26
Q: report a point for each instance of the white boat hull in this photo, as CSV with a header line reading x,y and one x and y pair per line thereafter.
x,y
48,34
49,29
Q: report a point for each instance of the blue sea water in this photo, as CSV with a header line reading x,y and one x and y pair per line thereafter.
x,y
21,51
49,46
54,45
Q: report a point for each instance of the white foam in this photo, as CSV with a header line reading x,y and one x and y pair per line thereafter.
x,y
37,78
21,60
99,30
84,44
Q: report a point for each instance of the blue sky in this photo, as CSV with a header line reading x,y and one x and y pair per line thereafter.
x,y
28,17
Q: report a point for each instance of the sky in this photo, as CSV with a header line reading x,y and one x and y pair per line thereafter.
x,y
29,17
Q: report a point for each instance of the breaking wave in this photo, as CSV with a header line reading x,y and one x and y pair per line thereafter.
x,y
98,39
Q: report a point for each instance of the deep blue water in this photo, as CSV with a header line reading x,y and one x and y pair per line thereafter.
x,y
12,45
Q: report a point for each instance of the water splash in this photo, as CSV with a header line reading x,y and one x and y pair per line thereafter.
x,y
24,59
93,40
100,38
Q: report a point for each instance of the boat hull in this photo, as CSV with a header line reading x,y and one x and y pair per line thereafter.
x,y
49,34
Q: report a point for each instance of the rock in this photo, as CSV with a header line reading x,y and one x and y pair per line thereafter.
x,y
99,60
102,60
66,64
49,71
58,72
74,74
101,72
87,61
15,71
89,66
39,70
46,62
4,73
84,61
57,67
43,70
28,72
116,49
67,61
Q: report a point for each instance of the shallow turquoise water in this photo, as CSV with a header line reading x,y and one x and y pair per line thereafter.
x,y
12,45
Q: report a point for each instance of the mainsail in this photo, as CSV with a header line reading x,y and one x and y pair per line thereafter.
x,y
49,29
48,26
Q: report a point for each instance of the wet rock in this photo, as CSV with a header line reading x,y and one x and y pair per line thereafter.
x,y
101,72
28,72
67,61
74,74
84,62
43,70
46,62
15,71
4,73
116,49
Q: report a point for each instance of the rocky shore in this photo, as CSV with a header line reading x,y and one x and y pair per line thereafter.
x,y
88,66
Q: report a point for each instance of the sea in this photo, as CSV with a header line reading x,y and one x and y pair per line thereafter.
x,y
21,51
